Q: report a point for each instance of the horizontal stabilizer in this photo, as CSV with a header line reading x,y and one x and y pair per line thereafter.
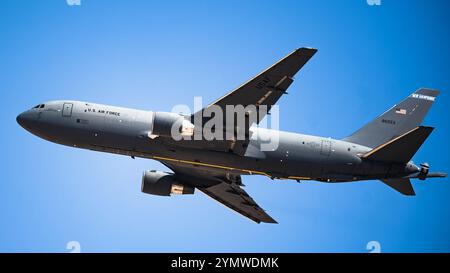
x,y
402,185
402,148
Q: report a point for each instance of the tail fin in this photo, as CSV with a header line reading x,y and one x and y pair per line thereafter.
x,y
402,148
398,120
402,185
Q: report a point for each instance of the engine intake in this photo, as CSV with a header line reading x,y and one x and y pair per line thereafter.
x,y
163,184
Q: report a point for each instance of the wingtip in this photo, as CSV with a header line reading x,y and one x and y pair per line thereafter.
x,y
270,221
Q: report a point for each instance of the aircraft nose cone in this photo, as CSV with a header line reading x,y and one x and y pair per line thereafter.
x,y
25,120
21,119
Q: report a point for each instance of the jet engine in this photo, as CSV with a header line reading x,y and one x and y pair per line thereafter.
x,y
168,124
162,183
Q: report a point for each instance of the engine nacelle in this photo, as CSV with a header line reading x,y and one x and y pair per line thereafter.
x,y
167,124
164,184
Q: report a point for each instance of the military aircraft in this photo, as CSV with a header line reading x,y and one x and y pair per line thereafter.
x,y
380,150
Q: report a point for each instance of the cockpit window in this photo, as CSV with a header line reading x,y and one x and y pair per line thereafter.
x,y
42,106
39,106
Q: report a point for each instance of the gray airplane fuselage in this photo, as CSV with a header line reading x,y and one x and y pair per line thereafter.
x,y
126,131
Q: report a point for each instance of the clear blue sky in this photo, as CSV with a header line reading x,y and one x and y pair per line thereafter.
x,y
149,55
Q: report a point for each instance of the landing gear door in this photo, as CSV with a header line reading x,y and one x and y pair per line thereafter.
x,y
67,109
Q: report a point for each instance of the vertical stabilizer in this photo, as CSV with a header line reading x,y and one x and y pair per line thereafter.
x,y
396,121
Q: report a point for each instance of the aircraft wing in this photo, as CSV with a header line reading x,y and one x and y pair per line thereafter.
x,y
237,199
263,90
224,188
